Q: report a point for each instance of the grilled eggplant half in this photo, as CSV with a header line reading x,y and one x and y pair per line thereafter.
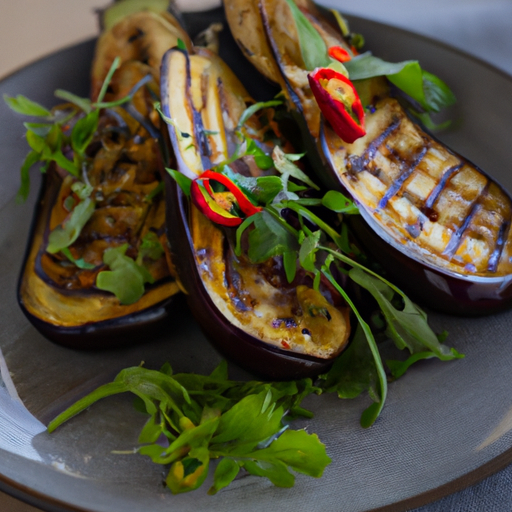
x,y
438,225
88,292
247,310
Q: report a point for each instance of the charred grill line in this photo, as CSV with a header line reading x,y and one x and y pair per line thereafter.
x,y
456,238
495,257
445,178
360,163
405,173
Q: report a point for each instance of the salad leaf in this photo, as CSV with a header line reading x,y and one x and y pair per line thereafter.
x,y
126,279
312,46
211,417
425,88
65,234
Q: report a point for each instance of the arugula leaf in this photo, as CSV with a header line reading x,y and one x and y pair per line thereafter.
x,y
126,279
269,238
407,327
354,371
30,160
211,417
149,248
312,46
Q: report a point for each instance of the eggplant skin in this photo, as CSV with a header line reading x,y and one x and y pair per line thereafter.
x,y
254,355
91,319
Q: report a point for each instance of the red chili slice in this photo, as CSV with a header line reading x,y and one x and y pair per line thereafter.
x,y
204,198
339,102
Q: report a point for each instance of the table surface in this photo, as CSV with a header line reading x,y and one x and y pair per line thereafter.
x,y
30,30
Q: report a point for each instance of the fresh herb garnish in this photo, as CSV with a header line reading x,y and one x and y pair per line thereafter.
x,y
194,419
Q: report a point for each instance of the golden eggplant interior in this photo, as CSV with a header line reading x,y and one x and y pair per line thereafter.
x,y
428,200
419,196
123,168
206,101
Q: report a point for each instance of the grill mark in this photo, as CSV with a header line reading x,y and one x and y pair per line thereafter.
x,y
359,163
495,257
398,183
456,238
436,192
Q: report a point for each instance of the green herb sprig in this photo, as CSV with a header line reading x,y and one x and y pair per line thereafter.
x,y
195,419
324,251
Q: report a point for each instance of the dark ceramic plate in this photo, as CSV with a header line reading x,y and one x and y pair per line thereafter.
x,y
445,425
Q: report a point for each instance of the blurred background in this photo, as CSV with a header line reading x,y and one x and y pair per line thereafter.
x,y
30,29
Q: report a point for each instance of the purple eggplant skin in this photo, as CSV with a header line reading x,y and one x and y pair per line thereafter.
x,y
237,345
140,323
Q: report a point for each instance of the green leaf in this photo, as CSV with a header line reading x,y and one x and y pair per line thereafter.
x,y
437,94
269,238
31,159
22,105
245,425
298,450
150,247
82,103
225,473
398,368
354,371
65,234
110,389
407,327
427,89
183,181
262,160
126,279
260,190
80,263
339,203
312,46
250,111
284,164
290,264
83,132
40,129
307,252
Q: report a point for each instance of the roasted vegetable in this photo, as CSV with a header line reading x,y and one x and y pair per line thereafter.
x,y
438,225
97,271
248,310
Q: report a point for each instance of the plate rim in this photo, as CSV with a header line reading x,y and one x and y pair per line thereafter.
x,y
40,499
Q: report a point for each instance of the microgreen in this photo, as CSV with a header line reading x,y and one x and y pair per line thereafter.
x,y
203,418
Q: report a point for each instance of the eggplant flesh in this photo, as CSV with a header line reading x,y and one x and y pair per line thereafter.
x,y
438,225
247,310
124,168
